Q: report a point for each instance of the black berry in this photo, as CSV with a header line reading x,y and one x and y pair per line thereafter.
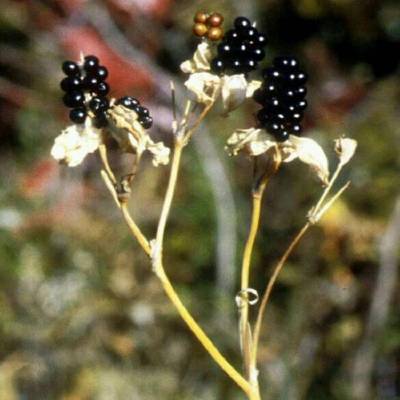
x,y
282,96
241,49
78,115
86,90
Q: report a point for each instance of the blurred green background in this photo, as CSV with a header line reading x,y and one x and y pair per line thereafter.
x,y
81,314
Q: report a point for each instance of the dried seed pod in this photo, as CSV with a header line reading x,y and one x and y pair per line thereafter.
x,y
200,17
200,29
215,20
215,34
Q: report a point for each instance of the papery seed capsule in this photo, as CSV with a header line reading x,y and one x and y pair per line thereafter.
x,y
200,30
215,33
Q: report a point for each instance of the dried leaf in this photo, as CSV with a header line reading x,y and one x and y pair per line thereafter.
x,y
345,149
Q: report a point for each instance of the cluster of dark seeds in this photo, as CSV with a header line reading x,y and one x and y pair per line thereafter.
x,y
85,89
143,113
241,49
282,96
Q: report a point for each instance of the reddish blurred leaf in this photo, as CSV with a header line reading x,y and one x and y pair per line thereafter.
x,y
124,77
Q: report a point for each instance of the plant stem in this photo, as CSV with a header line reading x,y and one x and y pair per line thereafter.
x,y
245,333
202,336
157,251
144,243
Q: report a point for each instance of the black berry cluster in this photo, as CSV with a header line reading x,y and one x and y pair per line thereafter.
x,y
143,113
241,49
282,96
86,89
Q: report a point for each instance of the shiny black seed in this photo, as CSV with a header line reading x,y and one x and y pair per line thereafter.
x,y
236,65
271,89
143,112
101,72
282,135
98,104
301,91
74,99
301,105
295,117
102,89
262,39
70,68
249,33
271,74
286,63
128,102
301,78
71,83
90,82
274,127
78,115
146,122
258,53
242,22
90,63
224,48
232,36
249,65
217,65
296,129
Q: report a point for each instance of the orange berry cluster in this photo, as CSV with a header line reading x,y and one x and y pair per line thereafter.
x,y
208,25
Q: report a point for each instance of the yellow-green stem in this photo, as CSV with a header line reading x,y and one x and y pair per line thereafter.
x,y
202,336
245,276
144,243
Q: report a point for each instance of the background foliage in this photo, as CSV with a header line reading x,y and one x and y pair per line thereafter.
x,y
82,316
